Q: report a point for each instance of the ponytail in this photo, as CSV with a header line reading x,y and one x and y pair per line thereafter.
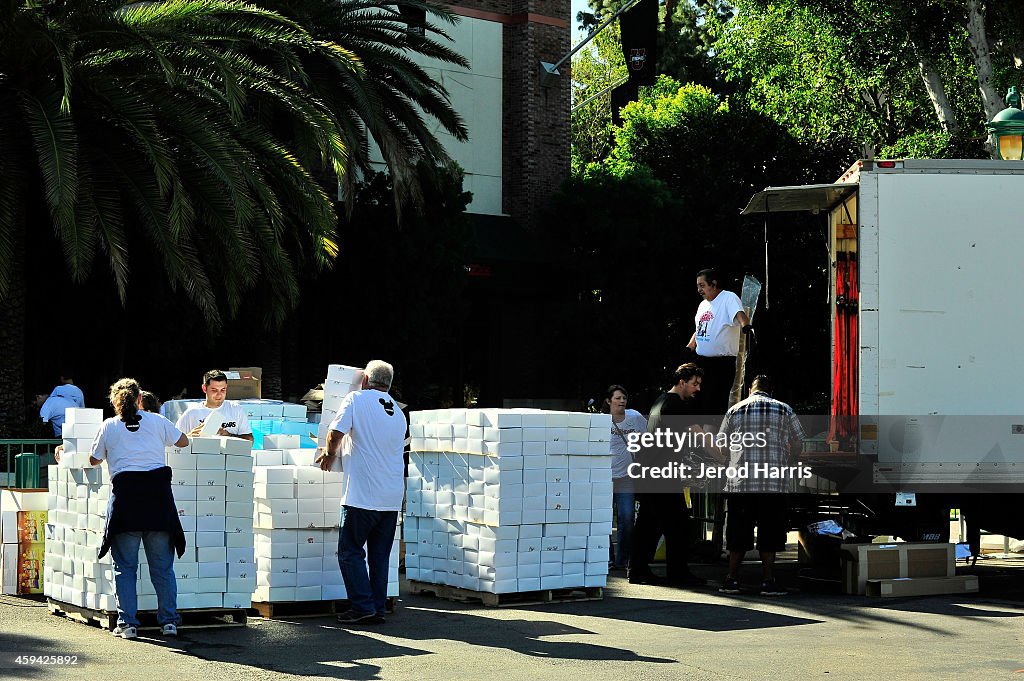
x,y
124,395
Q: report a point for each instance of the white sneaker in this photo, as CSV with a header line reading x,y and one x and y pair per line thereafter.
x,y
126,631
170,630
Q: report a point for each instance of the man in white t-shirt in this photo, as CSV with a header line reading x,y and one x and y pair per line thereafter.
x,y
719,321
368,434
233,420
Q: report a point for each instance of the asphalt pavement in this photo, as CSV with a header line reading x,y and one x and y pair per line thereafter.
x,y
636,632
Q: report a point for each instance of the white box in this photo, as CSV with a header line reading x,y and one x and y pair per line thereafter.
x,y
239,494
209,539
211,478
274,490
241,600
239,539
265,594
241,463
211,584
209,461
240,479
268,457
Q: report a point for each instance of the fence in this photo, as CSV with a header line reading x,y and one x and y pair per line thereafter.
x,y
11,448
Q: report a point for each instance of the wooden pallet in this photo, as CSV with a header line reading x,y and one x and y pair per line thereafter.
x,y
491,600
299,609
199,618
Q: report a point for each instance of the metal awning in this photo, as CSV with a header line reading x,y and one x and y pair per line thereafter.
x,y
804,197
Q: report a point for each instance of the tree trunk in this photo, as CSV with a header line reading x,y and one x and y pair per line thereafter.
x,y
981,52
937,93
270,387
13,399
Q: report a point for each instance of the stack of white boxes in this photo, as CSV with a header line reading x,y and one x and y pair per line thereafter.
x,y
296,525
77,514
341,380
296,518
213,491
506,501
79,431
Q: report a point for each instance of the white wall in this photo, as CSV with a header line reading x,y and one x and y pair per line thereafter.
x,y
476,95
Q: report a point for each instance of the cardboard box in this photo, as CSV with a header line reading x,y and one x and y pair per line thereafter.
x,y
863,562
921,586
244,383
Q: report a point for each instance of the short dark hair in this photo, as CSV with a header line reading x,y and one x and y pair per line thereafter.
x,y
611,391
762,382
150,402
685,372
214,375
711,276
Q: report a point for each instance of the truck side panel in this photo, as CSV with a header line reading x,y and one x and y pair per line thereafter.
x,y
949,249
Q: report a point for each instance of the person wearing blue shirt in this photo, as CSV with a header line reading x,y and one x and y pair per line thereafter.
x,y
67,395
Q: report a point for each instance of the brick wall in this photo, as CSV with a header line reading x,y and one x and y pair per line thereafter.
x,y
535,120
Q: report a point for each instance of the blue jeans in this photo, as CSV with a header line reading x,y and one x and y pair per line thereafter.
x,y
367,592
625,518
124,550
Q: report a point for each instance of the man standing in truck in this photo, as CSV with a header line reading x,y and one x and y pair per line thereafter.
x,y
719,321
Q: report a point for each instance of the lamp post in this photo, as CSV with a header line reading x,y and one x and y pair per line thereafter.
x,y
1007,128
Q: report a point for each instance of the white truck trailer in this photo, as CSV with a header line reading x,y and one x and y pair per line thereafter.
x,y
926,278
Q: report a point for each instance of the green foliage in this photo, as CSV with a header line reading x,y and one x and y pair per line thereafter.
x,y
392,98
594,69
208,133
930,144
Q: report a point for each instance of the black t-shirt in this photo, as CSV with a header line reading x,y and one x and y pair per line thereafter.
x,y
667,404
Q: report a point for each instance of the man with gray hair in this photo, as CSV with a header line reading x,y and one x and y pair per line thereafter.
x,y
368,434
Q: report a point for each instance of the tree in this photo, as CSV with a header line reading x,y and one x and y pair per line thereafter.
x,y
663,205
391,98
152,127
595,70
684,38
884,65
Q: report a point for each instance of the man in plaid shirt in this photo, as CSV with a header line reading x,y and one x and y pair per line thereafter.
x,y
767,434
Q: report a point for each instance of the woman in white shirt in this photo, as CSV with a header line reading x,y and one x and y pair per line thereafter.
x,y
142,509
624,422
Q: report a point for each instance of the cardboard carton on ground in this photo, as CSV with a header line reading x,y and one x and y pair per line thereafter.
x,y
921,586
863,562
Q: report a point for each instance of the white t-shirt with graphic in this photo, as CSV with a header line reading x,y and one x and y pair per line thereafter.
x,y
372,454
621,458
718,332
127,448
232,417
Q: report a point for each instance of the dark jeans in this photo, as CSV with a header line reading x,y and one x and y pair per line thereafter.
x,y
719,374
367,592
661,514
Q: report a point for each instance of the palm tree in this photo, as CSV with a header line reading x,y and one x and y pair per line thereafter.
x,y
147,123
394,100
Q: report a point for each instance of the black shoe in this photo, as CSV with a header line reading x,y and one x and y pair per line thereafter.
x,y
729,586
353,617
687,580
773,588
644,578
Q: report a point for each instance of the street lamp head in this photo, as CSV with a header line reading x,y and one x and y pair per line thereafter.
x,y
1007,127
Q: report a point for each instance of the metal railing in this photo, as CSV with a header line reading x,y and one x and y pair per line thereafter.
x,y
11,448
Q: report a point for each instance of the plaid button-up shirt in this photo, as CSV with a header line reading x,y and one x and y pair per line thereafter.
x,y
757,415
